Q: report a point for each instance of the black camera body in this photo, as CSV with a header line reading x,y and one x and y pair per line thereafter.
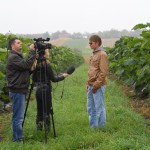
x,y
40,45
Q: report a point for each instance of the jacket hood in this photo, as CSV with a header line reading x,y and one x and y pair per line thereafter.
x,y
101,48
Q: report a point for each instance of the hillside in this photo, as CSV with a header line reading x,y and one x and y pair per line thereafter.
x,y
62,41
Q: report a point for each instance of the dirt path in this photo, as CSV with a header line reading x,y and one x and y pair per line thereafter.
x,y
59,42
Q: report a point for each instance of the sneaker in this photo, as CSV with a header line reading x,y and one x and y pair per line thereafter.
x,y
19,140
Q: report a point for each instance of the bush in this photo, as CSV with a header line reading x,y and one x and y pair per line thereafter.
x,y
130,61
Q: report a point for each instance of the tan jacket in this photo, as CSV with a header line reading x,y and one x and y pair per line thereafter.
x,y
98,69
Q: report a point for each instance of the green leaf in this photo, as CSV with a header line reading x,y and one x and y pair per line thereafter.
x,y
146,44
1,75
120,72
140,26
146,34
128,61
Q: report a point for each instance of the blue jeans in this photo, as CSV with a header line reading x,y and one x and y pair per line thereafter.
x,y
18,104
96,108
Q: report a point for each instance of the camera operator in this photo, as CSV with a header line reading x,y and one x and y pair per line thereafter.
x,y
42,76
18,76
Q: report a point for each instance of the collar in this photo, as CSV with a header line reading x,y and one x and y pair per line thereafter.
x,y
14,52
100,48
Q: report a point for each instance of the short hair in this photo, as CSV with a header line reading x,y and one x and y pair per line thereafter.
x,y
11,41
95,38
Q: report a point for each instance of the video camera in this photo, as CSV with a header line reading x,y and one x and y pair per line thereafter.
x,y
40,45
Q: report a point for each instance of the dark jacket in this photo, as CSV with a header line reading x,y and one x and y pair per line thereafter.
x,y
18,71
44,75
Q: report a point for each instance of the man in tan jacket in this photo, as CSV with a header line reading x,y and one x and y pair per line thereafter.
x,y
96,83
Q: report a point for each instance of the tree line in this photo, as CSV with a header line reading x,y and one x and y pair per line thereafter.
x,y
113,33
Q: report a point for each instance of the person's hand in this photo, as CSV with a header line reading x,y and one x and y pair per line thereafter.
x,y
37,56
94,90
32,47
34,65
65,74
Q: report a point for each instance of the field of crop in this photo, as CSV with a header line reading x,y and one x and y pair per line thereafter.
x,y
125,129
82,44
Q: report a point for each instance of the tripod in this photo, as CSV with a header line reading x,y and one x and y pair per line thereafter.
x,y
44,93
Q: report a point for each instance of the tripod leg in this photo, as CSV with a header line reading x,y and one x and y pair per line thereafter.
x,y
52,113
44,98
53,125
45,129
27,104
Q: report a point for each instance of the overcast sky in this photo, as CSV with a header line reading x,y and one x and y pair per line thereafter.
x,y
38,16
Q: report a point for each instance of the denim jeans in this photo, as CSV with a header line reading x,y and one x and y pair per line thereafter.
x,y
96,108
18,104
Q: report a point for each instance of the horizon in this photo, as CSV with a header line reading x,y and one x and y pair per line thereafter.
x,y
71,33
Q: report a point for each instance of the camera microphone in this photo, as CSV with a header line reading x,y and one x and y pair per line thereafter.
x,y
70,70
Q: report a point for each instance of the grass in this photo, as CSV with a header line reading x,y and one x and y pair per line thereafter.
x,y
125,129
81,44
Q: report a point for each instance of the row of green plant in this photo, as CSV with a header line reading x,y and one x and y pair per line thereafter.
x,y
130,60
60,57
63,57
3,90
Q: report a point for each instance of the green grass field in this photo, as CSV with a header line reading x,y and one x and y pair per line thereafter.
x,y
80,44
125,129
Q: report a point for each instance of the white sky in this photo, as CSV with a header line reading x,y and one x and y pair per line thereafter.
x,y
38,16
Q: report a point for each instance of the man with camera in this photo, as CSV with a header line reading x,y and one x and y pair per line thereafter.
x,y
18,76
42,77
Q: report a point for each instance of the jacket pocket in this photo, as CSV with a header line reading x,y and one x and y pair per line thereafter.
x,y
95,62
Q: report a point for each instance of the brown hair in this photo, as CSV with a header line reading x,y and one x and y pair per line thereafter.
x,y
11,41
95,38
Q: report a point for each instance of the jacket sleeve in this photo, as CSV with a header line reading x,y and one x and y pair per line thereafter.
x,y
22,64
52,76
103,67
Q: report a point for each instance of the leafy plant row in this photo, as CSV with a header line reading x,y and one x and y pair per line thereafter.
x,y
63,57
130,60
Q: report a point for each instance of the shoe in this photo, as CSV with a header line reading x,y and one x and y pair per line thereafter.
x,y
19,140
